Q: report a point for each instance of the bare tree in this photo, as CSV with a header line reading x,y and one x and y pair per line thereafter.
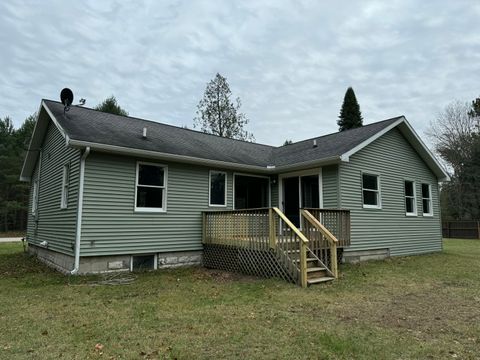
x,y
455,135
217,114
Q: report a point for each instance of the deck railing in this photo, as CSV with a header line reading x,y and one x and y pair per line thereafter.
x,y
322,242
337,221
264,241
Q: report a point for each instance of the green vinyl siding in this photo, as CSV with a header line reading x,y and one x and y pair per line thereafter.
x,y
51,223
330,186
394,160
111,226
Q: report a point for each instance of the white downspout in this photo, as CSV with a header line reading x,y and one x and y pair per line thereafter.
x,y
79,211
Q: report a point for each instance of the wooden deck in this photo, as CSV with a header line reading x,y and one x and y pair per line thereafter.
x,y
264,242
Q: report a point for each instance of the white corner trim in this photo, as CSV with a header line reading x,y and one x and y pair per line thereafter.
x,y
345,157
78,233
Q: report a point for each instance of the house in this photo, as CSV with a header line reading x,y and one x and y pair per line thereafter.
x,y
112,193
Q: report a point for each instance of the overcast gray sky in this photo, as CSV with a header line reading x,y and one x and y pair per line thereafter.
x,y
289,61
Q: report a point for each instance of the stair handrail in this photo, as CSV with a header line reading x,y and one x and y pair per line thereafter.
x,y
303,245
332,240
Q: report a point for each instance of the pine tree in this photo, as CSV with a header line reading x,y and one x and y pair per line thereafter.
x,y
350,116
217,114
110,105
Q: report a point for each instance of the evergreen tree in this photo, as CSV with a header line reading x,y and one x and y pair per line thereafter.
x,y
110,105
350,116
13,193
217,114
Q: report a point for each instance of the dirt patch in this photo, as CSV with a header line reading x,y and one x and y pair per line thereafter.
x,y
427,312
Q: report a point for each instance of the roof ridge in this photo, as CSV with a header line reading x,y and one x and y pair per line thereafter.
x,y
164,124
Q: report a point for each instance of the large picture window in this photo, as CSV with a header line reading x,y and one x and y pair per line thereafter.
x,y
65,185
371,191
218,188
151,187
410,198
427,199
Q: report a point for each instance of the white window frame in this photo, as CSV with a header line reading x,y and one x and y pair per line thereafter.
x,y
163,209
430,200
65,186
210,188
35,197
414,197
378,191
155,260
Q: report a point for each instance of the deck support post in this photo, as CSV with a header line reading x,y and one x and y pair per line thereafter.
x,y
271,227
204,227
303,264
333,258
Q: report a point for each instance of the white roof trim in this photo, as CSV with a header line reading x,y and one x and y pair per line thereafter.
x,y
346,156
54,120
31,156
440,170
160,155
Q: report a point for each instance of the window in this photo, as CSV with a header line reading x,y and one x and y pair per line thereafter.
x,y
151,187
218,188
427,200
65,182
143,262
410,198
35,197
251,192
371,191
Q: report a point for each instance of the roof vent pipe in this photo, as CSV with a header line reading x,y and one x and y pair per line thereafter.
x,y
315,143
144,135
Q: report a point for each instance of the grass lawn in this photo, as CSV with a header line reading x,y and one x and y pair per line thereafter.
x,y
425,307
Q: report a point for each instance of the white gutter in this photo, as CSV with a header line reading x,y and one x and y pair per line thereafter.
x,y
79,211
114,149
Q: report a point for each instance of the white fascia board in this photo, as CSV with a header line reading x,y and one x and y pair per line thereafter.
x,y
346,156
54,120
308,164
164,156
35,142
430,157
205,162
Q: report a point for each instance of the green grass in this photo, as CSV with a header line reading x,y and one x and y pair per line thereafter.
x,y
403,308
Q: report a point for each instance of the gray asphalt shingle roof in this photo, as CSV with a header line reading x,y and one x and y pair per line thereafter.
x,y
93,126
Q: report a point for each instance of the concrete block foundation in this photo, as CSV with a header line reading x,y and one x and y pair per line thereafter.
x,y
357,256
102,264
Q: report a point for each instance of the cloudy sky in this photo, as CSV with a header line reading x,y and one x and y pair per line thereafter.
x,y
289,61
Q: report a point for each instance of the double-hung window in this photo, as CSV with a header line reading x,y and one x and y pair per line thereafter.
x,y
65,184
410,198
371,191
427,200
218,188
151,187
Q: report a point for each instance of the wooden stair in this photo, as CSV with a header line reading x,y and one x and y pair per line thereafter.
x,y
316,272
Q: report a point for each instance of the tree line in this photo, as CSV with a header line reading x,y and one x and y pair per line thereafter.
x,y
455,134
14,143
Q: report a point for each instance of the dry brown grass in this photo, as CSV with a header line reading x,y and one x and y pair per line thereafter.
x,y
405,308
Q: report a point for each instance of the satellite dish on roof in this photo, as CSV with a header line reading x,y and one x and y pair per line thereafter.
x,y
66,97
